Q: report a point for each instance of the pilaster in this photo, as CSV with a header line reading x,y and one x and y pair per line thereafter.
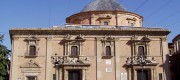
x,y
93,19
129,74
98,62
14,59
165,59
117,20
152,74
135,74
49,72
84,74
117,58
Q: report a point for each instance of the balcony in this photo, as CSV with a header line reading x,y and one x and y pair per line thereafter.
x,y
141,60
70,61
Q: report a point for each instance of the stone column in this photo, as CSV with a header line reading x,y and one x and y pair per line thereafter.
x,y
135,74
98,60
155,74
117,59
66,49
49,74
57,74
129,73
84,74
152,74
65,74
60,74
81,48
133,48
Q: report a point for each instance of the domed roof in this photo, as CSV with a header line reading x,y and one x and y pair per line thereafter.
x,y
104,5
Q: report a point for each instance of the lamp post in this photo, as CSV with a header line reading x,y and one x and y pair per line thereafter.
x,y
56,60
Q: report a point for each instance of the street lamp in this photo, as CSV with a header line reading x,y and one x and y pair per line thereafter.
x,y
56,60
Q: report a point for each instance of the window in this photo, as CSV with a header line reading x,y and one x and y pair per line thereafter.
x,y
160,76
108,47
32,43
170,52
179,45
74,75
141,50
31,78
108,51
132,24
32,50
74,51
106,23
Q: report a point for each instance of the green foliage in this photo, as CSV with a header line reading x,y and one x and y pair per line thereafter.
x,y
1,37
4,62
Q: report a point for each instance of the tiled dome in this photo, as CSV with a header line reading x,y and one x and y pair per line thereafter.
x,y
104,5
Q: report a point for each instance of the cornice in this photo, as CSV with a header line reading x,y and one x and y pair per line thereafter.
x,y
87,31
119,28
103,12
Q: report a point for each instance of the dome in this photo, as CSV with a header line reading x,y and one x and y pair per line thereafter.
x,y
104,5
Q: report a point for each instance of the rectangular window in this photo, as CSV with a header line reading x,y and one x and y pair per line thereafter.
x,y
170,52
31,78
108,51
106,23
32,50
74,51
132,24
74,75
160,76
141,50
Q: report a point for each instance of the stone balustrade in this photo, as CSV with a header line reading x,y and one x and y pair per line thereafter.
x,y
141,60
70,60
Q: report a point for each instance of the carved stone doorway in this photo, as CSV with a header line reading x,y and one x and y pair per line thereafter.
x,y
143,74
75,75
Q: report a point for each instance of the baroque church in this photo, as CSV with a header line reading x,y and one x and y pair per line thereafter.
x,y
104,41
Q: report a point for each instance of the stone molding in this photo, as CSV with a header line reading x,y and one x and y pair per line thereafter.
x,y
88,31
30,64
163,38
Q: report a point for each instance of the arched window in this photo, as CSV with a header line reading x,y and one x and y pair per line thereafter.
x,y
32,50
74,51
141,50
108,51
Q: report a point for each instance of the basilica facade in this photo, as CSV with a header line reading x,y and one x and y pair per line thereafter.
x,y
102,42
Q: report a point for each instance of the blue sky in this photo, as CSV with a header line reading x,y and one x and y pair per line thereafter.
x,y
46,13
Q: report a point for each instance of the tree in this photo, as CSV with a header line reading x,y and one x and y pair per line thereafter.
x,y
1,37
4,61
